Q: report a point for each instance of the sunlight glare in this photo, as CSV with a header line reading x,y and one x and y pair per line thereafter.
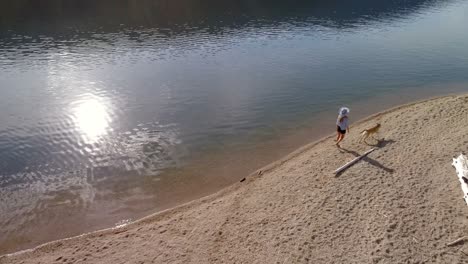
x,y
92,119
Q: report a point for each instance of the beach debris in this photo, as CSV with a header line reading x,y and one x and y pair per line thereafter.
x,y
461,165
457,241
243,179
349,164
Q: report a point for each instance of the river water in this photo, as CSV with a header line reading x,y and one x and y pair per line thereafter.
x,y
114,109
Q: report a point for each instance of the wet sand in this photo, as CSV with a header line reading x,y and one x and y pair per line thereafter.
x,y
401,204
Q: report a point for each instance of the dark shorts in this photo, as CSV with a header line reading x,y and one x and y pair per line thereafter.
x,y
340,131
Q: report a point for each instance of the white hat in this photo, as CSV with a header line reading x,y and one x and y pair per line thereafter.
x,y
344,111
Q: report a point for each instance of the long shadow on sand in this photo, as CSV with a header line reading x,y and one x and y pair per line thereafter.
x,y
380,144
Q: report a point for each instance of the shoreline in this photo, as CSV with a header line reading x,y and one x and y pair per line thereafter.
x,y
306,147
204,174
155,217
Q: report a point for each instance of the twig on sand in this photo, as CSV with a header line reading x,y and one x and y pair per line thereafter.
x,y
463,252
384,215
347,165
458,241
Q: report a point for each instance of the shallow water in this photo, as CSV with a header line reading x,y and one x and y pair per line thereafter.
x,y
111,110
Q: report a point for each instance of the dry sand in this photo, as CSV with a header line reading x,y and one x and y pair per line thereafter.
x,y
401,204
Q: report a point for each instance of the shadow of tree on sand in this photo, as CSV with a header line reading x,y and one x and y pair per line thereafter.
x,y
380,144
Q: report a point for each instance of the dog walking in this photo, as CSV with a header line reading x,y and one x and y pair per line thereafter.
x,y
366,133
342,125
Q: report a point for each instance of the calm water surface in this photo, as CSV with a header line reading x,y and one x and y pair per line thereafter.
x,y
110,110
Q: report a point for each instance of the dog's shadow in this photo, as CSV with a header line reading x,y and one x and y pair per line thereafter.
x,y
382,143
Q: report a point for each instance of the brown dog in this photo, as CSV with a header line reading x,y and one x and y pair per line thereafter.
x,y
369,133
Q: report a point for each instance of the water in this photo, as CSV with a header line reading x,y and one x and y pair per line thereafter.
x,y
113,109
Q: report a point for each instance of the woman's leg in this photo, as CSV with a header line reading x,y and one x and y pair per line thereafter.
x,y
340,138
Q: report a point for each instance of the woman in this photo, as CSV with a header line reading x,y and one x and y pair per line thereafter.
x,y
342,125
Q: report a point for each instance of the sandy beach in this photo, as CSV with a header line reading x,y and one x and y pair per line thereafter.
x,y
401,204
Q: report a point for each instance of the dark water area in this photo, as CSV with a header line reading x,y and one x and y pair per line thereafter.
x,y
114,109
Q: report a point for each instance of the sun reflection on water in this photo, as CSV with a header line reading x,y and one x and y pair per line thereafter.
x,y
92,118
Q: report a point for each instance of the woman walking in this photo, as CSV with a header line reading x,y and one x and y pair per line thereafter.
x,y
342,125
